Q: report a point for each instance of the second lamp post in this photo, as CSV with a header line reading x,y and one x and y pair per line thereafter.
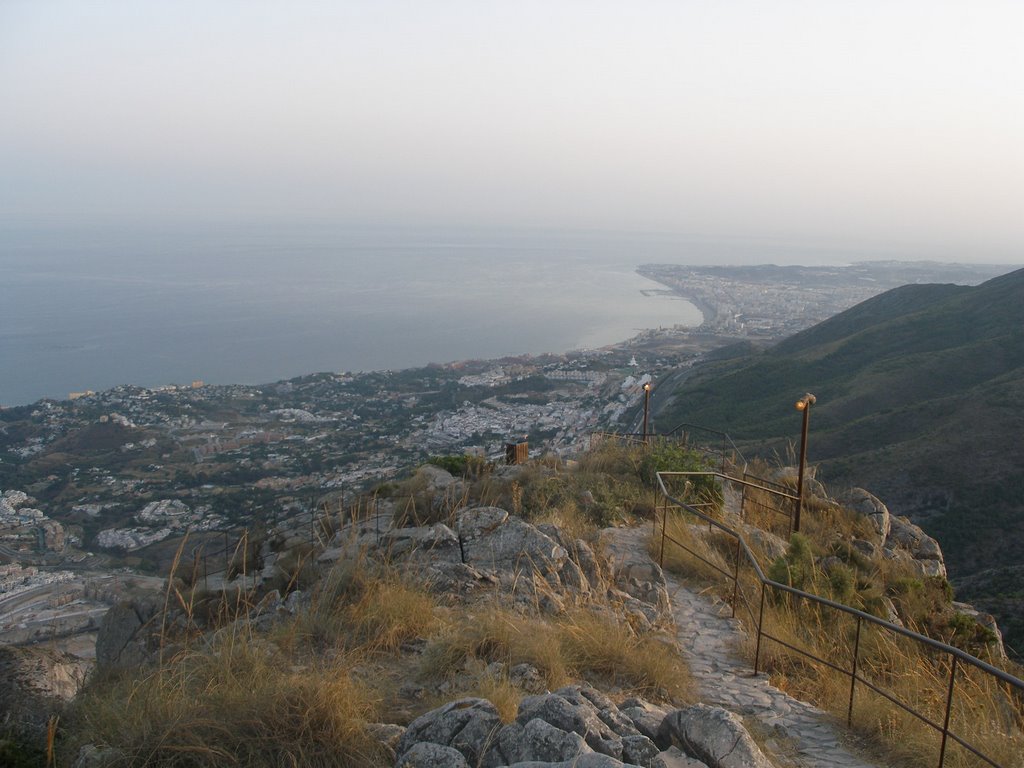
x,y
803,404
647,406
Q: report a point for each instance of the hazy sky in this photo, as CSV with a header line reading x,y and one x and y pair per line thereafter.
x,y
887,122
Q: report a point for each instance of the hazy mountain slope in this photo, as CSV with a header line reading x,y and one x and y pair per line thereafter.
x,y
920,399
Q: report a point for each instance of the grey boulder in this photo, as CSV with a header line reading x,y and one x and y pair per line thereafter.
x,y
466,725
712,735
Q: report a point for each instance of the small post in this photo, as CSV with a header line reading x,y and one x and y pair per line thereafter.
x,y
803,404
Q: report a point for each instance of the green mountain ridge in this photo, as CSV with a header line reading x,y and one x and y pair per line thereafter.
x,y
919,394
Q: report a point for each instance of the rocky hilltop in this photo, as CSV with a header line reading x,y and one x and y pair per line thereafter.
x,y
486,619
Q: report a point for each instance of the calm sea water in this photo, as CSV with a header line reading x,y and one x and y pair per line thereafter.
x,y
93,309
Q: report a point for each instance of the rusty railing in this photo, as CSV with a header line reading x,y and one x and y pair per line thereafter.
x,y
744,566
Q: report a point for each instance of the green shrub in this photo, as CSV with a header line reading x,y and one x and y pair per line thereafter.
x,y
906,586
967,632
850,555
664,456
796,567
842,584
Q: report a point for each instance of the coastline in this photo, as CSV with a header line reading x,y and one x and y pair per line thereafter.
x,y
709,313
553,320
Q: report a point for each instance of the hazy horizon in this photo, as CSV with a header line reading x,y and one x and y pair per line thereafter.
x,y
869,126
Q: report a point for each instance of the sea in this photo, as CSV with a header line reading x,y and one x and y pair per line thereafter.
x,y
92,306
89,308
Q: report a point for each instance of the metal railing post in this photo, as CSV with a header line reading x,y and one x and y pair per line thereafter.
x,y
949,707
661,555
760,624
736,579
853,675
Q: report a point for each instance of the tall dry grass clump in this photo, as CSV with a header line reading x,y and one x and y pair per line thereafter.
x,y
579,644
695,554
983,713
363,606
602,647
497,635
239,702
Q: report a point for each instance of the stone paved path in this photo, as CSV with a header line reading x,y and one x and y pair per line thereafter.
x,y
793,732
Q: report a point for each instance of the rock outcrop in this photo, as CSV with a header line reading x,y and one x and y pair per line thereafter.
x,y
988,623
907,542
489,552
577,726
126,636
871,507
712,735
34,684
897,537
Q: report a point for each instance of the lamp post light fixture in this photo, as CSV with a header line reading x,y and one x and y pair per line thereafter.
x,y
647,406
803,404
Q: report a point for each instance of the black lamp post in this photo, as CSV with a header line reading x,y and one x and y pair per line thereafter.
x,y
803,404
647,406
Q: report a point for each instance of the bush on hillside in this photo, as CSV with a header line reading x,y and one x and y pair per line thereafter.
x,y
664,456
796,567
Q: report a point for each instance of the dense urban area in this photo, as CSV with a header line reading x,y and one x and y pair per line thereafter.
x,y
97,491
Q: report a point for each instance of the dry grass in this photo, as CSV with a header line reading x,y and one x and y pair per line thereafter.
x,y
389,613
580,644
597,646
766,510
500,691
704,554
499,635
301,694
982,713
238,703
365,607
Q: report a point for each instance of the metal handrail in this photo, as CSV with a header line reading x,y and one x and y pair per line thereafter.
x,y
757,484
956,654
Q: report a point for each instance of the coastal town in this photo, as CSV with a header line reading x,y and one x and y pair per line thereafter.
x,y
98,491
